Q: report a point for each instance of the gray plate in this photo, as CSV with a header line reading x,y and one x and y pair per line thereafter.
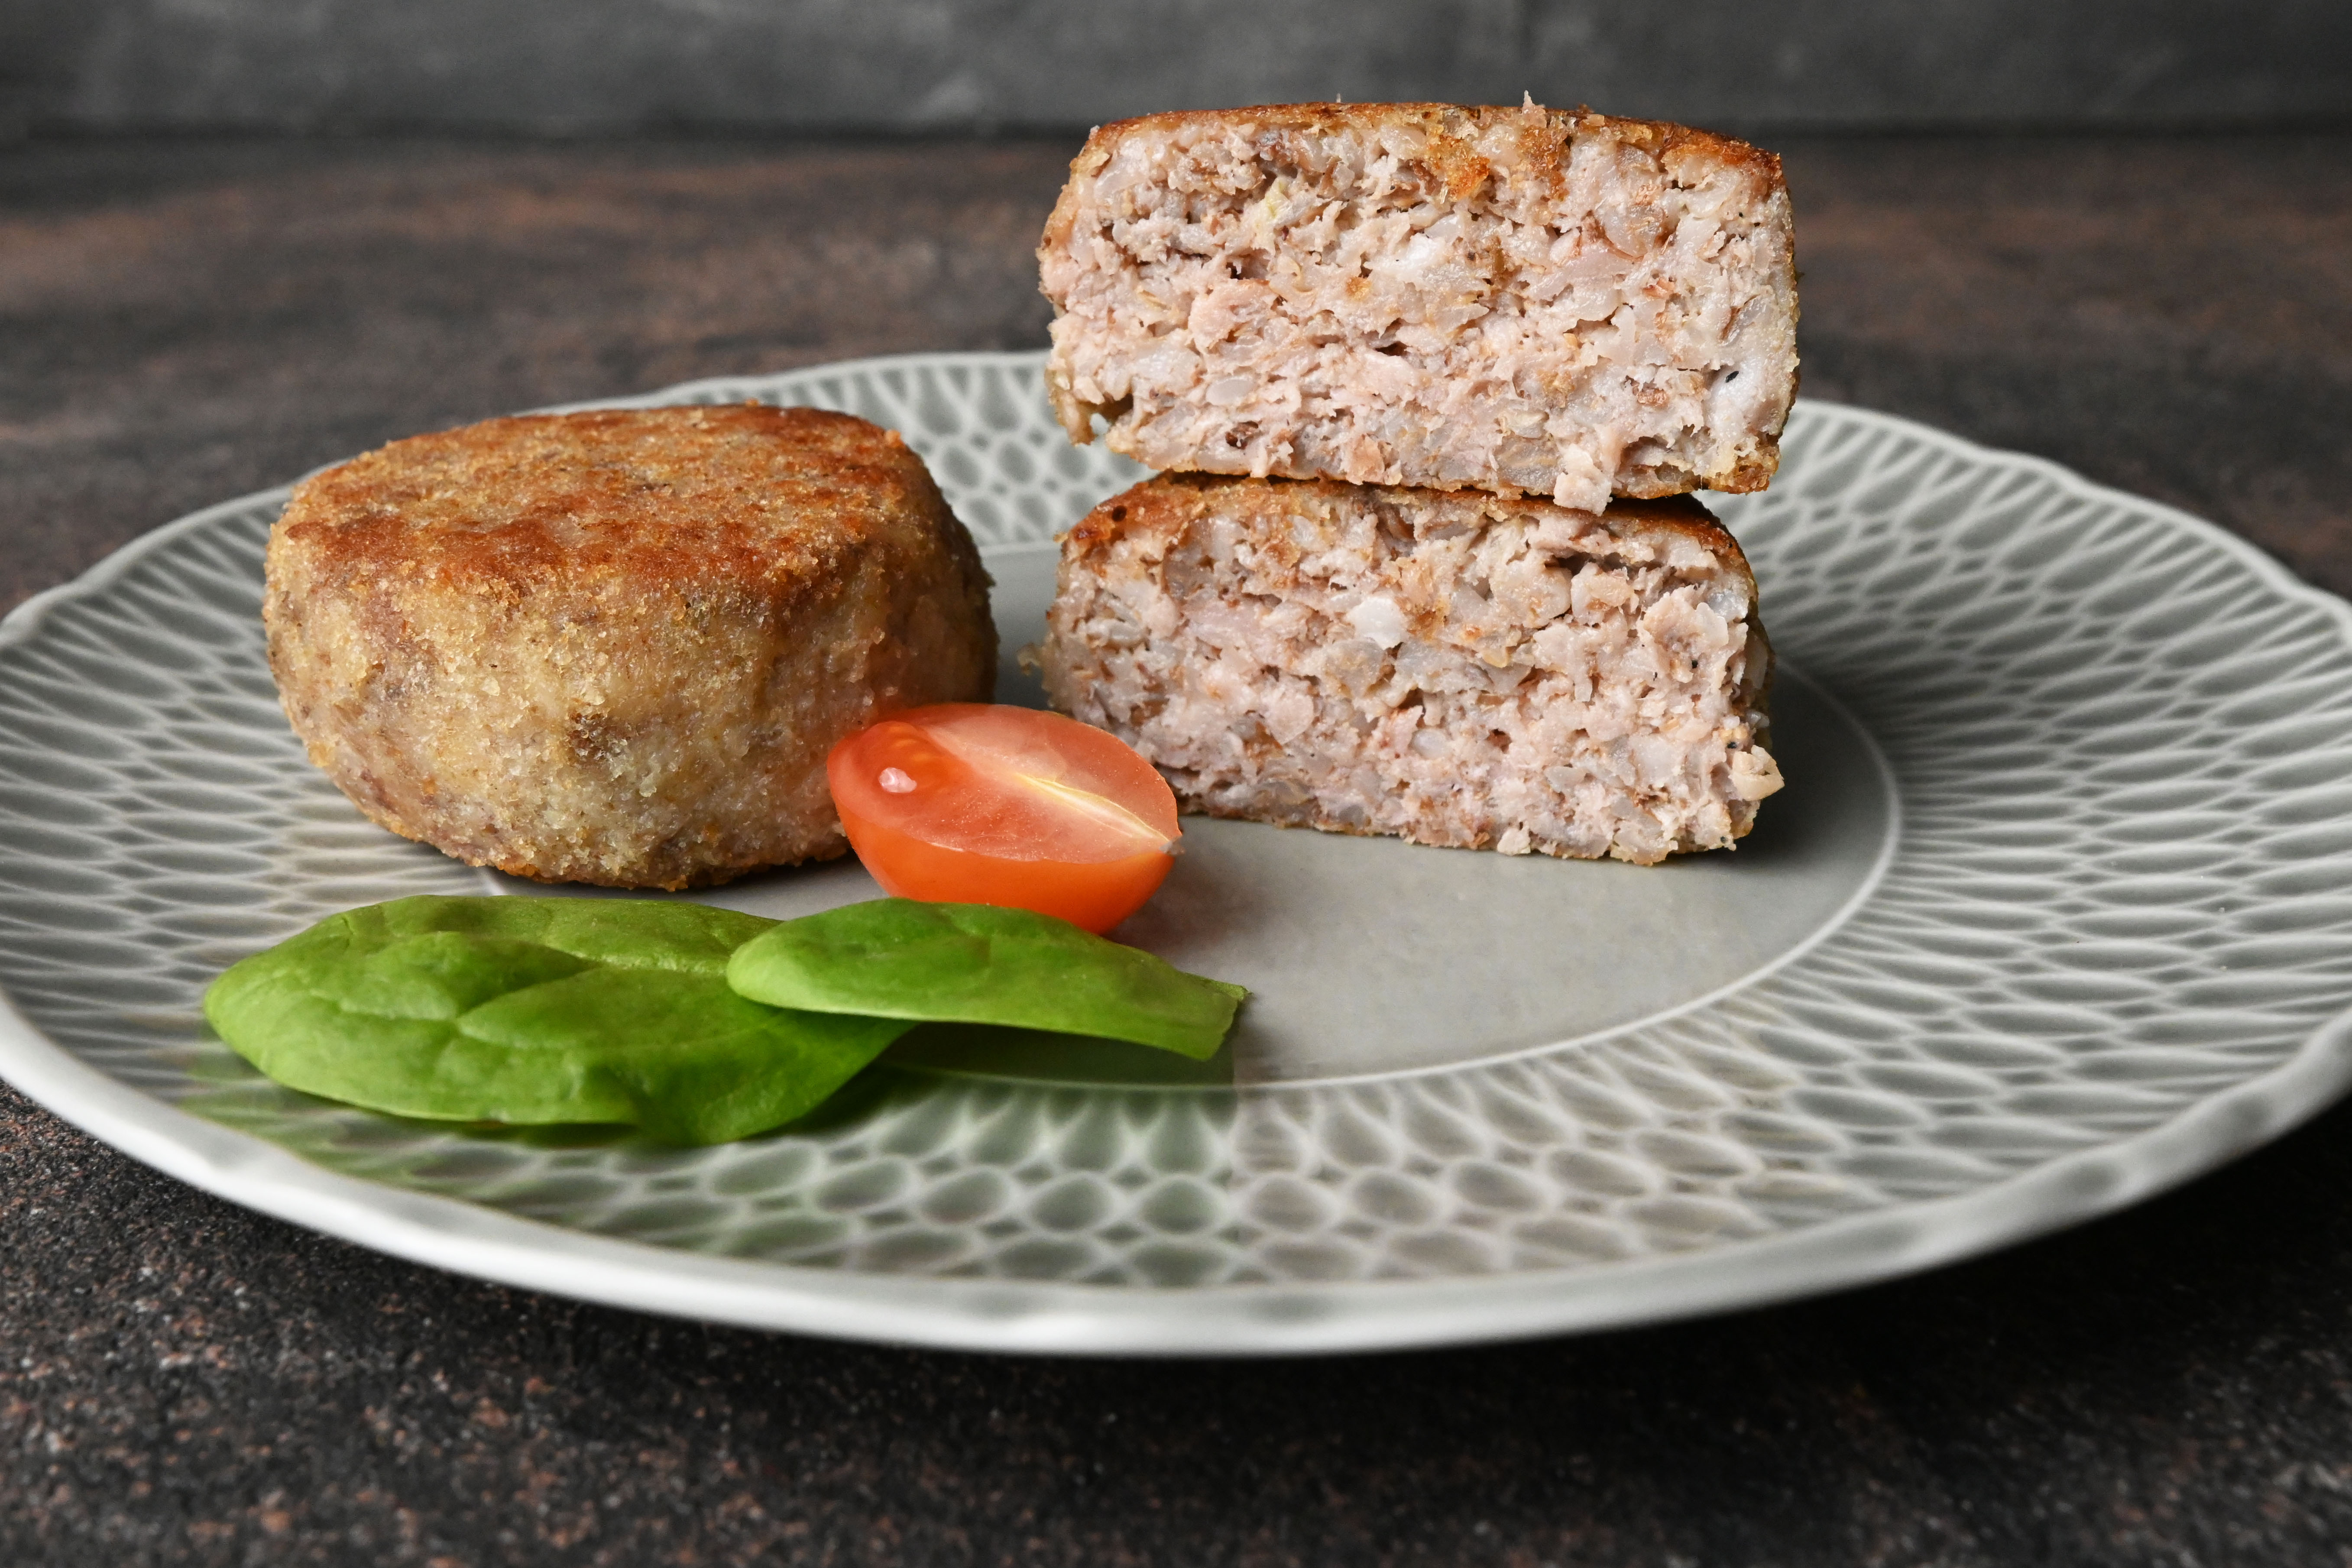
x,y
2052,914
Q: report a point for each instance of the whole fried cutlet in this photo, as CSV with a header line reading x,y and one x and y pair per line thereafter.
x,y
615,646
1454,668
1522,300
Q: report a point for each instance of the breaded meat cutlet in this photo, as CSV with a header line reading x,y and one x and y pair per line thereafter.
x,y
615,646
1452,667
1520,300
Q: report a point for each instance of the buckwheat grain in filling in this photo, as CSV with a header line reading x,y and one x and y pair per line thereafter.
x,y
1453,669
1559,303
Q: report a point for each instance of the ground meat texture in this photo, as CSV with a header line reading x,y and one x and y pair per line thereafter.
x,y
1453,669
1518,301
615,646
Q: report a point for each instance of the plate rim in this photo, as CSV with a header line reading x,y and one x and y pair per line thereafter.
x,y
1042,1317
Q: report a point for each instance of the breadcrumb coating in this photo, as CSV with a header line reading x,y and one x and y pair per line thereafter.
x,y
615,646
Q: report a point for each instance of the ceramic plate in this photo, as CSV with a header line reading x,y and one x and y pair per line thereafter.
x,y
2055,911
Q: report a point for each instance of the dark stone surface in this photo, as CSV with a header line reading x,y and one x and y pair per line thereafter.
x,y
182,1382
901,65
180,323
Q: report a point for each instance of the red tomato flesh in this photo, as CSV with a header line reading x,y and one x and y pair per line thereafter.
x,y
968,802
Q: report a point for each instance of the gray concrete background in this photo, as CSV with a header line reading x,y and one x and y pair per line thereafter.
x,y
594,66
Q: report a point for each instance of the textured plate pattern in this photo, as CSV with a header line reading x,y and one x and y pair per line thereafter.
x,y
2112,945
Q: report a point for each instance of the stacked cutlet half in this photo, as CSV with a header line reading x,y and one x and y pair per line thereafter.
x,y
1429,385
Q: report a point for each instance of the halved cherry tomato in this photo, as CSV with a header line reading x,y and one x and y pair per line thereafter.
x,y
968,802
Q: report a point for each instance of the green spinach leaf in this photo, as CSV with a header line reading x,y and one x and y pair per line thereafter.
x,y
539,1010
975,963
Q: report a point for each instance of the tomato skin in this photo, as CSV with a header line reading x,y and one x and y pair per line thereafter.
x,y
967,803
1096,897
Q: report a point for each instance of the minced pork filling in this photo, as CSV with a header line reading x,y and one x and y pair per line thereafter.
x,y
1316,306
1441,674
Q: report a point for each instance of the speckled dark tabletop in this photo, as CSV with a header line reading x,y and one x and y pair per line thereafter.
x,y
182,1382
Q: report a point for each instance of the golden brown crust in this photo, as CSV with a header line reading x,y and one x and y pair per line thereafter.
x,y
1743,479
1452,131
614,647
1165,504
1458,122
644,496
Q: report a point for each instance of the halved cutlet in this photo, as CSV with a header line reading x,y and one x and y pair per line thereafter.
x,y
1513,300
1454,668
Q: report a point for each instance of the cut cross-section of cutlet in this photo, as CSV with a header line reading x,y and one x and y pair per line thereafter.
x,y
1454,668
1520,300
